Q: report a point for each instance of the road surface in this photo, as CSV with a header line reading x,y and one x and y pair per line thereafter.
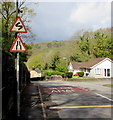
x,y
78,99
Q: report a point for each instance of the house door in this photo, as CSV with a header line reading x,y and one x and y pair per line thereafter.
x,y
107,72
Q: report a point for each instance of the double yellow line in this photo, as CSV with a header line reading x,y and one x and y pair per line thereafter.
x,y
92,106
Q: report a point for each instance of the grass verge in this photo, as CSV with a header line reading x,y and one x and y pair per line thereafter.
x,y
108,85
83,77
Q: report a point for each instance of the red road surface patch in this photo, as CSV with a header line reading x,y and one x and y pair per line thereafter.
x,y
64,90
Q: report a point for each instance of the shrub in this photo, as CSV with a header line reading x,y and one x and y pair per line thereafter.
x,y
56,76
75,75
80,74
69,74
49,73
63,75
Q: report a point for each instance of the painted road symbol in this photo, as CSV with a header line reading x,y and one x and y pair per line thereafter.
x,y
18,26
18,45
64,90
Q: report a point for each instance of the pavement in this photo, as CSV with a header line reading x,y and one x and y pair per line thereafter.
x,y
30,104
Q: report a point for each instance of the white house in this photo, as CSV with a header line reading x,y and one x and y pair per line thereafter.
x,y
98,68
35,73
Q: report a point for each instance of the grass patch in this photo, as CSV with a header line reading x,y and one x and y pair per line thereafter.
x,y
83,77
108,85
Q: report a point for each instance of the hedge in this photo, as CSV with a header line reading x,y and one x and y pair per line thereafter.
x,y
80,74
69,74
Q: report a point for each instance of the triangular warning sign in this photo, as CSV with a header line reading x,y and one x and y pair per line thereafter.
x,y
18,26
18,45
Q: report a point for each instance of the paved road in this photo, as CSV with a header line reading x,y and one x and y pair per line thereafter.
x,y
79,99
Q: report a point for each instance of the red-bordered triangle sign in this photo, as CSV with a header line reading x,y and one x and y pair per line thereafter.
x,y
18,26
18,45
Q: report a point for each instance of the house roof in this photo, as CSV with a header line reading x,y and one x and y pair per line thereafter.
x,y
90,63
38,71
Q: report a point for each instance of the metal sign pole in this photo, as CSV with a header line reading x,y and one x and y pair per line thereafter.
x,y
18,92
18,46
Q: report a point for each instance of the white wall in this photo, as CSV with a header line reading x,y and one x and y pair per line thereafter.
x,y
111,69
70,68
75,71
103,65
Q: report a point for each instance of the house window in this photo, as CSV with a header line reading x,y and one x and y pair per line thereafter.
x,y
88,70
107,72
97,71
83,69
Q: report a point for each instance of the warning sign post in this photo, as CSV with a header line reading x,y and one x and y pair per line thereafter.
x,y
18,46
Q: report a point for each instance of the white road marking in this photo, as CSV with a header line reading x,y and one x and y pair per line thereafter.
x,y
104,97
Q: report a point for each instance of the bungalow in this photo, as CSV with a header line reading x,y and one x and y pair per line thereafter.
x,y
98,68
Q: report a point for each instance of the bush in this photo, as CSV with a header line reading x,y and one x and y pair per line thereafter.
x,y
56,76
69,74
49,73
75,75
80,74
61,69
63,75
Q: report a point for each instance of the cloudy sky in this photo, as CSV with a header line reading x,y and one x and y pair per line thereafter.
x,y
60,20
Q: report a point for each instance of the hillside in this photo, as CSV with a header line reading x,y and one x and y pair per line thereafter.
x,y
95,44
42,53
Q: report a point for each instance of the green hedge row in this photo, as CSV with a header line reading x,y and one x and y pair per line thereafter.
x,y
63,74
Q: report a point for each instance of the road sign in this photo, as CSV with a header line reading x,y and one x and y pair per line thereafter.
x,y
18,26
18,45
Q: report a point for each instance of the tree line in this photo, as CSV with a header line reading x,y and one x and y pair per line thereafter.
x,y
95,44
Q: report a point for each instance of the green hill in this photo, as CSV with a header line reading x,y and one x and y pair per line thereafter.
x,y
90,45
42,53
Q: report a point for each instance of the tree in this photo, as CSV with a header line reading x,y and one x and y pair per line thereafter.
x,y
49,45
61,68
46,66
84,47
103,46
38,66
76,57
94,44
8,16
84,43
55,61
